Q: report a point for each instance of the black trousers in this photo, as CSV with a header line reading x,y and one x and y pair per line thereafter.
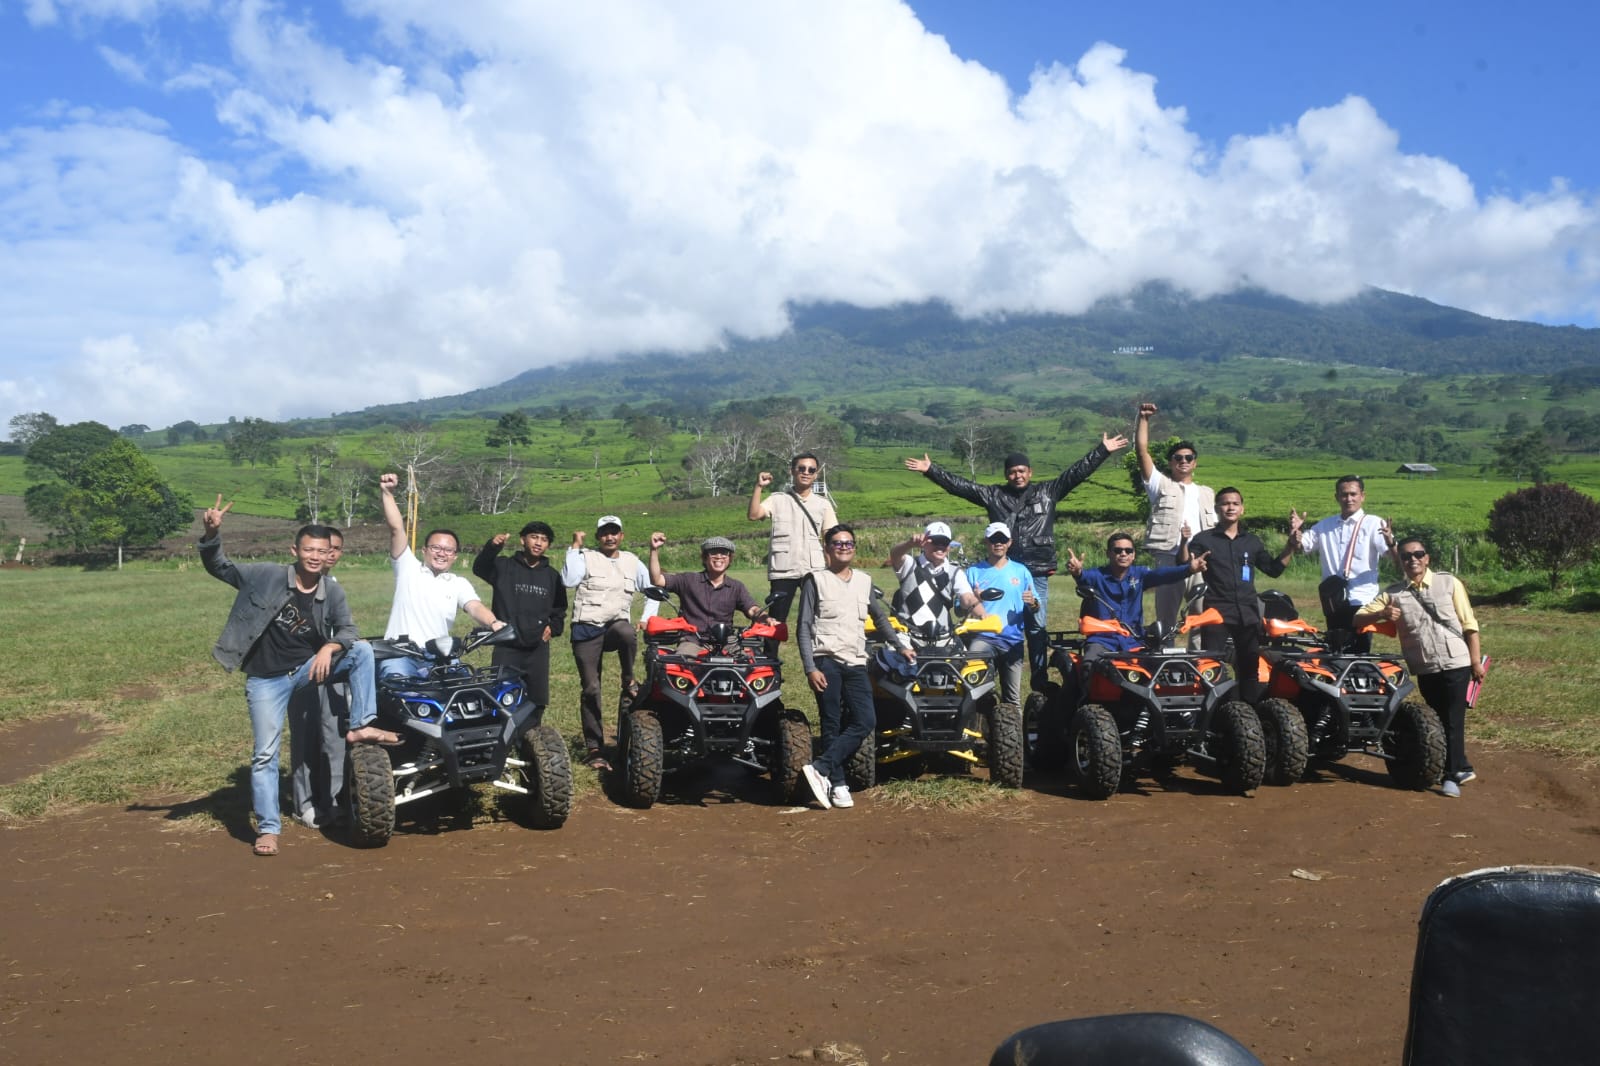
x,y
620,638
1446,693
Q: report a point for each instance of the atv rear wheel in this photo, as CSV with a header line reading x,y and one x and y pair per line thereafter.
x,y
369,781
1237,747
1048,719
790,753
1002,734
1095,748
547,777
1414,744
642,757
1283,730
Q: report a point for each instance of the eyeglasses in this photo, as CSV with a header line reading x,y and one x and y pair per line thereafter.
x,y
806,469
440,549
1413,555
842,545
1184,457
1121,551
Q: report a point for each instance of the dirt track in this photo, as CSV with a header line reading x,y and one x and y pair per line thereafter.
x,y
725,931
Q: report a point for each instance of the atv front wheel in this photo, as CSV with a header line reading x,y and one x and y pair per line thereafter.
x,y
547,776
1283,730
1237,747
642,758
790,754
1048,720
1002,731
1095,748
369,780
1414,746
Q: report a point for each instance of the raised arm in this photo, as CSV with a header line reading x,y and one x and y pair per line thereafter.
x,y
387,483
1079,472
483,562
982,495
657,577
756,513
1141,439
216,562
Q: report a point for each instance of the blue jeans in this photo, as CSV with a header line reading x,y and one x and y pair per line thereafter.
x,y
403,666
1036,624
848,690
268,698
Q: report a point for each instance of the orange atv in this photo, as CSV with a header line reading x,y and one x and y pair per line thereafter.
x,y
1347,702
1152,706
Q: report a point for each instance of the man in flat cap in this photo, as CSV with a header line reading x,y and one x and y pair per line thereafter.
x,y
707,596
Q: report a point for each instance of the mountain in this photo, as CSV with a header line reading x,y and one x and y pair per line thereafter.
x,y
876,349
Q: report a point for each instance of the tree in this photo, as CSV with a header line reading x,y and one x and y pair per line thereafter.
x,y
114,496
313,469
416,449
65,449
650,431
512,430
134,429
1524,458
347,483
254,441
1551,528
30,426
494,488
968,444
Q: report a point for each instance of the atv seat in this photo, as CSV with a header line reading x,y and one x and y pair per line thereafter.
x,y
1117,1039
1507,969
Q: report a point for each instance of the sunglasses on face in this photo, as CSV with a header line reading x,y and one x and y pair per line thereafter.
x,y
1413,555
938,542
1119,550
805,469
1186,457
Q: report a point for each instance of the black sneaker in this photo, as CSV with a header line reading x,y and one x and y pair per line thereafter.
x,y
1464,776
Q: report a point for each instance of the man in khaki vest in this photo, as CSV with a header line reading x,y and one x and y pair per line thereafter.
x,y
798,518
835,603
1178,510
1439,638
604,582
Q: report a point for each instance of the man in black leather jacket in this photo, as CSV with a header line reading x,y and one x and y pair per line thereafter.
x,y
1028,508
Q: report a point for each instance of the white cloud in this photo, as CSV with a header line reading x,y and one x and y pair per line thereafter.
x,y
481,187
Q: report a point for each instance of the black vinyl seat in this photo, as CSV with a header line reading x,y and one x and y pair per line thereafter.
x,y
1124,1040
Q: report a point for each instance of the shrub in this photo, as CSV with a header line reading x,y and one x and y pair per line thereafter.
x,y
1551,528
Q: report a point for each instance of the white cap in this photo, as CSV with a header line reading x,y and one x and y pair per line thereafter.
x,y
938,529
608,520
996,527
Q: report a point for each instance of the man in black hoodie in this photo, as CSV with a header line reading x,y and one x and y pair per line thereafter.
x,y
528,594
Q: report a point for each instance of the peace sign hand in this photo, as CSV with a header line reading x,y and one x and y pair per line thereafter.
x,y
212,519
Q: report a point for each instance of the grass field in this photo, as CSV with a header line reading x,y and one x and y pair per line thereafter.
x,y
127,654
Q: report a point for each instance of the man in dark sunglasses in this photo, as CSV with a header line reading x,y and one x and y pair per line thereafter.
x,y
1179,508
1438,635
799,515
1115,591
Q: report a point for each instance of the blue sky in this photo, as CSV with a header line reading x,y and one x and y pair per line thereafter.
x,y
199,199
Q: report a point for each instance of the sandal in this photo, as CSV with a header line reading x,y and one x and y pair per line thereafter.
x,y
595,761
370,734
267,844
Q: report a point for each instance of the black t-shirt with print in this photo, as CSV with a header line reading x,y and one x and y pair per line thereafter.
x,y
290,639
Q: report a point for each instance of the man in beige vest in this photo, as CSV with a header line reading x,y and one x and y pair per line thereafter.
x,y
1178,510
1439,638
604,582
835,603
798,518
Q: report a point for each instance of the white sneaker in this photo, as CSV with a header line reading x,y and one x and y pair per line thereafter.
x,y
307,817
840,796
1450,788
817,783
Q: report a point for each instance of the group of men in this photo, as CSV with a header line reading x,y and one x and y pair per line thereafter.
x,y
290,627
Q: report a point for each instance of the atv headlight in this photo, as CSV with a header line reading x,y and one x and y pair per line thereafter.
x,y
1133,676
758,684
1210,673
681,683
511,697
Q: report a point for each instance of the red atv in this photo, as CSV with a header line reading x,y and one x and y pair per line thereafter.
x,y
1347,702
724,703
1155,706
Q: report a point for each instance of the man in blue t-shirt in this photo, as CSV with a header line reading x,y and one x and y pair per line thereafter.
x,y
1116,590
1000,571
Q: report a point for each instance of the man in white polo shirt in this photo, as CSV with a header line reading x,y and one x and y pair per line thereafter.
x,y
426,594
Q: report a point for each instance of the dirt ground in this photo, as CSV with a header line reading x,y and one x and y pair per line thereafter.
x,y
715,929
